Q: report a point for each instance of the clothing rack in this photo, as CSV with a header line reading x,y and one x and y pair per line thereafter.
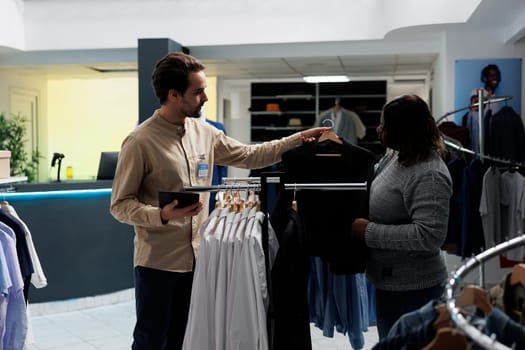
x,y
261,184
452,288
484,156
488,100
492,99
256,185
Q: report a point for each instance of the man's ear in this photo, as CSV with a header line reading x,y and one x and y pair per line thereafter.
x,y
173,93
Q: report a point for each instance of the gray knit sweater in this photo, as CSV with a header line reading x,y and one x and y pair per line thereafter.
x,y
409,208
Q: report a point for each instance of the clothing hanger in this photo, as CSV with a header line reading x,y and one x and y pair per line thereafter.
x,y
294,202
517,276
330,135
448,338
473,295
443,318
517,279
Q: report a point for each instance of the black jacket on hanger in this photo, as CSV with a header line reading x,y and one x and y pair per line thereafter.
x,y
328,214
504,135
290,316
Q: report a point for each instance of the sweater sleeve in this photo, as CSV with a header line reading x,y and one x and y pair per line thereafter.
x,y
426,199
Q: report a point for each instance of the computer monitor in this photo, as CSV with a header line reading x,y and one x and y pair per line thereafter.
x,y
107,165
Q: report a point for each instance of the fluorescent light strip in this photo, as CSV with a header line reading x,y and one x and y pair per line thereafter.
x,y
57,194
326,79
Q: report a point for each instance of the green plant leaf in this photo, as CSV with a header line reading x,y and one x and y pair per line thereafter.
x,y
12,138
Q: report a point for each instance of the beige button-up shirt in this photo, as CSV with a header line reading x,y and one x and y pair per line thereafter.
x,y
160,156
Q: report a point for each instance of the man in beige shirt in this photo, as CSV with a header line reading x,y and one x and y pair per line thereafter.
x,y
170,151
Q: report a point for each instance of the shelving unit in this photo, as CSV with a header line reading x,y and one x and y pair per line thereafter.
x,y
296,103
300,103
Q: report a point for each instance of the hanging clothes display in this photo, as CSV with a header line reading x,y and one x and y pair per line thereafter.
x,y
230,298
504,135
13,310
471,317
478,199
502,210
20,266
38,277
336,296
490,318
24,258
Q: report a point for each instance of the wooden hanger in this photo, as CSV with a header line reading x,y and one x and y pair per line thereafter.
x,y
448,338
330,135
443,318
517,276
473,295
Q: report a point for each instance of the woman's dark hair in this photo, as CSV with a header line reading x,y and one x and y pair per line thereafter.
x,y
410,128
171,72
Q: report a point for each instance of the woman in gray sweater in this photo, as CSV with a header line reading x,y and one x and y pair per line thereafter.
x,y
409,208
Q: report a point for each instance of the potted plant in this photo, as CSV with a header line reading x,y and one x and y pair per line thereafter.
x,y
12,138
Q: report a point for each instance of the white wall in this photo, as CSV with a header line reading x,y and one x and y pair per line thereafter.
x,y
64,24
235,116
86,117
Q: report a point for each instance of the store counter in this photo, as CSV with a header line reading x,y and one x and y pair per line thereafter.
x,y
83,250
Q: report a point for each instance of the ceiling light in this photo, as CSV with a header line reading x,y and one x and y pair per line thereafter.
x,y
326,79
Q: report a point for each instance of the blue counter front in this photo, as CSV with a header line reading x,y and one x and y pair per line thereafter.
x,y
83,250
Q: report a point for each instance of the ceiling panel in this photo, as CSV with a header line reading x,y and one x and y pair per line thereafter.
x,y
258,68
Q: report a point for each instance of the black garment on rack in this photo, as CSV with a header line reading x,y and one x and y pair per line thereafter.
x,y
472,238
456,167
505,135
328,214
291,320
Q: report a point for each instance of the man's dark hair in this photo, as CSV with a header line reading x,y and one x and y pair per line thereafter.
x,y
410,128
485,72
171,72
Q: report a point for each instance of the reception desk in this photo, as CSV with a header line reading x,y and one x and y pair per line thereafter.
x,y
83,250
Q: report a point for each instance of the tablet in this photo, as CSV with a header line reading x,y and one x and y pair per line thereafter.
x,y
184,198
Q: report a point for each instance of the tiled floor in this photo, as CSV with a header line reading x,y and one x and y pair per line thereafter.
x,y
109,327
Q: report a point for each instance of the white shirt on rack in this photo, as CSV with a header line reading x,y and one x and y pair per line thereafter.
x,y
16,321
38,277
197,330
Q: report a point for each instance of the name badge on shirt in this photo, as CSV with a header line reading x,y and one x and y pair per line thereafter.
x,y
202,167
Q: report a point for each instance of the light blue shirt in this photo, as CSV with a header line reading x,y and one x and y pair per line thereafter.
x,y
16,322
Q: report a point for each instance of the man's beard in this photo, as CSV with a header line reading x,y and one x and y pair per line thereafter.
x,y
196,114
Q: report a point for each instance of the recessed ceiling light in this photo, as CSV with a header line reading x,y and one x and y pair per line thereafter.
x,y
326,79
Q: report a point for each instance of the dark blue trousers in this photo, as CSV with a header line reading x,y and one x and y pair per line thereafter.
x,y
162,301
391,305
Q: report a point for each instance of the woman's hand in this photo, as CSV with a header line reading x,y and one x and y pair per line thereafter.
x,y
359,228
313,133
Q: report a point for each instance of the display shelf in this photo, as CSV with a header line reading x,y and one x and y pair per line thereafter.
x,y
300,103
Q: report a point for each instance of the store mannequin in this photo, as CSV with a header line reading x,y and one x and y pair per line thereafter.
x,y
344,122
